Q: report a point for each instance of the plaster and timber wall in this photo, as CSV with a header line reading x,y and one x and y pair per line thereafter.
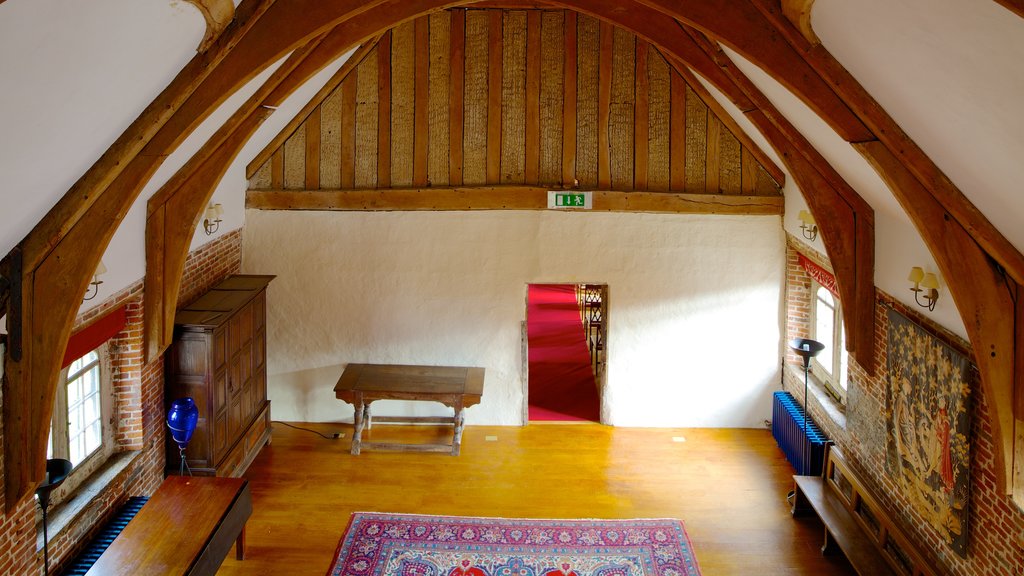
x,y
859,429
139,406
449,288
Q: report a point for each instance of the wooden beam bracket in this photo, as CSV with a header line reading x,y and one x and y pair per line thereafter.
x,y
10,301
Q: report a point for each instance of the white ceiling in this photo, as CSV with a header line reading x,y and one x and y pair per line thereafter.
x,y
951,72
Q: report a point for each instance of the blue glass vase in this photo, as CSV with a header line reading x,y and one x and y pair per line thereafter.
x,y
181,419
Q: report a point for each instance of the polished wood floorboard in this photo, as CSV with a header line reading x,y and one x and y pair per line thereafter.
x,y
728,486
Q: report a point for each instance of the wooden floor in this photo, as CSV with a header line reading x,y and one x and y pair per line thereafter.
x,y
728,486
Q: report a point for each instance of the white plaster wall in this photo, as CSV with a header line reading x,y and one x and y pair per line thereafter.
x,y
694,305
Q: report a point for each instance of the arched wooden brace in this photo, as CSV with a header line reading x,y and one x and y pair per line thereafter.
x,y
294,23
851,243
1015,6
849,220
758,29
218,14
741,26
984,295
62,251
887,131
902,162
175,209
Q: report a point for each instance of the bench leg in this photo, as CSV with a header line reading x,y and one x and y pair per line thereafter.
x,y
240,545
800,505
829,547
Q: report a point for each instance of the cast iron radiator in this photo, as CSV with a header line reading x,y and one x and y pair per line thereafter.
x,y
81,563
788,431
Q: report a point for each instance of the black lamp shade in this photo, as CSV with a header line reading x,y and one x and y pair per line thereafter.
x,y
806,349
57,469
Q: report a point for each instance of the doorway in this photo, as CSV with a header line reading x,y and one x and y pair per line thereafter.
x,y
566,336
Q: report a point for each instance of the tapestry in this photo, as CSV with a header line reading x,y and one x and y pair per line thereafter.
x,y
927,425
410,545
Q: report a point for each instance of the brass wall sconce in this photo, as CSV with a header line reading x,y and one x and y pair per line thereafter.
x,y
927,283
808,227
211,223
94,286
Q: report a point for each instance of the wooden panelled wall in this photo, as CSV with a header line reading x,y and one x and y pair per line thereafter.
x,y
484,97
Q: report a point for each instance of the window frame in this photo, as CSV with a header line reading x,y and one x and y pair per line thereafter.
x,y
58,425
835,379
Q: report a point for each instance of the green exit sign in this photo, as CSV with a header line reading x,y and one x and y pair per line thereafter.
x,y
562,200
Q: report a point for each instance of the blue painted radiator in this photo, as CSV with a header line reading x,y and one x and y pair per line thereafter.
x,y
788,431
81,563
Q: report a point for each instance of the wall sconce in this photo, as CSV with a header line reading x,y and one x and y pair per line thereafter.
x,y
808,227
927,283
94,286
212,221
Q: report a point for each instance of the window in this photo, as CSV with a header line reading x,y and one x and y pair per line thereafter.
x,y
81,427
830,365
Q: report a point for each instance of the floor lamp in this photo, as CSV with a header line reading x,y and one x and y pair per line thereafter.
x,y
57,469
806,349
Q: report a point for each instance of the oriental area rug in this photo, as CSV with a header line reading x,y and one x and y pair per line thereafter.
x,y
411,545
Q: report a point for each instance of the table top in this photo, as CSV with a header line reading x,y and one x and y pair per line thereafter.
x,y
419,380
172,529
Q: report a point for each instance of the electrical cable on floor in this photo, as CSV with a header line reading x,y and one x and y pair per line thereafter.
x,y
336,435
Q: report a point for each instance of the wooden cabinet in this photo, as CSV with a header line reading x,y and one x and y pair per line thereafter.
x,y
218,357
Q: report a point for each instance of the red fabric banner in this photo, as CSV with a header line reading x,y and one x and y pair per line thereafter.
x,y
820,275
92,336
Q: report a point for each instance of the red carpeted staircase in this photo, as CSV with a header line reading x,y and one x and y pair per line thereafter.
x,y
561,379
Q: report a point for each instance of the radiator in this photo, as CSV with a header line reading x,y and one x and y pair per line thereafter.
x,y
788,430
81,563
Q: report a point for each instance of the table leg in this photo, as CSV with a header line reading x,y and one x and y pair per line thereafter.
x,y
240,545
367,419
357,435
460,421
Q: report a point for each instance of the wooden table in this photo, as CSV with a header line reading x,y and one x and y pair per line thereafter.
x,y
187,527
454,386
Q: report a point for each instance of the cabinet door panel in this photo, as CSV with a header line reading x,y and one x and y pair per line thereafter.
x,y
219,348
234,418
220,391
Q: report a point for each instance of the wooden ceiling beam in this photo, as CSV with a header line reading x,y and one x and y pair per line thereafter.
x,y
741,26
981,267
218,14
62,252
799,13
845,218
1015,6
506,198
888,131
175,209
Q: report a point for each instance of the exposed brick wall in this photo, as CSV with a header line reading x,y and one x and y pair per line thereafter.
x,y
139,406
995,524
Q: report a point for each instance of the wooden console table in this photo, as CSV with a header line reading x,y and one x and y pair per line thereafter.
x,y
454,386
186,528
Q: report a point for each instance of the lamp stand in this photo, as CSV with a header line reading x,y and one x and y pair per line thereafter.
x,y
806,349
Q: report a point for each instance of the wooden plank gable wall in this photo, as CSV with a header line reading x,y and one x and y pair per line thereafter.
x,y
505,104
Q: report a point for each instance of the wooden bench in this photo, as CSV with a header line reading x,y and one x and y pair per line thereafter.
x,y
186,528
855,522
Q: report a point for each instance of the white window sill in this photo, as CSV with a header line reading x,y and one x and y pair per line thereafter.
x,y
816,392
64,515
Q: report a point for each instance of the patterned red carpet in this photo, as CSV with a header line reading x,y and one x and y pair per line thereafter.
x,y
561,379
409,545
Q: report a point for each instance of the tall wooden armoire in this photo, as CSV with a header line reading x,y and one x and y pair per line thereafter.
x,y
218,358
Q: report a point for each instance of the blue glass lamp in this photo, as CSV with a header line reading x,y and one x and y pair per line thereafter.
x,y
181,419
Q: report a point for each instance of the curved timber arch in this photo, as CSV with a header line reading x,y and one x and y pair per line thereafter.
x,y
60,254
